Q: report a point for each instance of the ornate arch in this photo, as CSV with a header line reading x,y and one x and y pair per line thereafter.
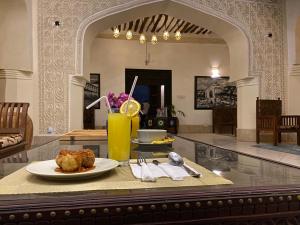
x,y
133,4
60,49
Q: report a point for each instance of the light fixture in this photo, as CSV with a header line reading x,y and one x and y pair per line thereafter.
x,y
178,35
116,32
269,35
56,23
147,55
129,35
166,35
142,39
154,39
215,73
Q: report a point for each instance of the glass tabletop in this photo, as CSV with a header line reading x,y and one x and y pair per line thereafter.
x,y
242,170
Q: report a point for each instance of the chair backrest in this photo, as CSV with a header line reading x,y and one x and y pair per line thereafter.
x,y
28,132
265,107
225,115
13,117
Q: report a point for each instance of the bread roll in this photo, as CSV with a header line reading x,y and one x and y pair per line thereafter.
x,y
72,161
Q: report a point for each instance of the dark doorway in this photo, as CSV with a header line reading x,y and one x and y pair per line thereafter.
x,y
91,93
148,87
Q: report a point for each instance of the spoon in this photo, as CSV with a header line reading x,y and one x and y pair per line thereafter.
x,y
177,160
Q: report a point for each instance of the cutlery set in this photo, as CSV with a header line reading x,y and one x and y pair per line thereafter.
x,y
146,174
174,160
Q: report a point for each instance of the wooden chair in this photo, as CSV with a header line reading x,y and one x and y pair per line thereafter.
x,y
288,124
224,117
267,114
269,119
14,120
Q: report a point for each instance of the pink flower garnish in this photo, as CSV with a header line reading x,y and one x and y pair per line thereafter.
x,y
116,101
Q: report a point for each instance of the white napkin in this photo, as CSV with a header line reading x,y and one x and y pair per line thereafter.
x,y
146,173
154,171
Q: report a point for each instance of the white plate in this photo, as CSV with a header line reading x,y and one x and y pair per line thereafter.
x,y
136,141
47,168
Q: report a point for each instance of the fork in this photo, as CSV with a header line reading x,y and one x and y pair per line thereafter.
x,y
146,173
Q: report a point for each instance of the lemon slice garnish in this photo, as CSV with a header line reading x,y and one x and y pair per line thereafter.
x,y
133,108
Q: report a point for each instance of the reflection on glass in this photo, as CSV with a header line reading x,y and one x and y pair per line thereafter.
x,y
244,170
217,172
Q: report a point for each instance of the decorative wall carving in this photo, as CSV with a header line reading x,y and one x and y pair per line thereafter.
x,y
57,45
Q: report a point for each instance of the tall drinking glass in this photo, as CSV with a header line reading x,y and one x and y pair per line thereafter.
x,y
135,125
119,137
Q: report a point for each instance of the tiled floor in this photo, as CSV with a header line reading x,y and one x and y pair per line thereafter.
x,y
230,142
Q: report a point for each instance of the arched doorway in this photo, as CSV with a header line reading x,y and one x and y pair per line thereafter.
x,y
240,46
240,49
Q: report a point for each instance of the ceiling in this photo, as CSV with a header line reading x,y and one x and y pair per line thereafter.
x,y
159,23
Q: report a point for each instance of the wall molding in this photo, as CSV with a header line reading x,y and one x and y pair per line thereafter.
x,y
15,74
78,81
249,81
295,70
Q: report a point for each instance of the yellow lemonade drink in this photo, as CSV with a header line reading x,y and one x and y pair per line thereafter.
x,y
119,137
135,125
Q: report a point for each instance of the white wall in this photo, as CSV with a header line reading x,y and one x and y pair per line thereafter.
x,y
247,91
16,90
35,59
15,35
19,81
110,58
292,15
76,91
297,38
293,55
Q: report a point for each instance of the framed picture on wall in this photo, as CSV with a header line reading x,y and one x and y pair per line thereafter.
x,y
92,90
213,92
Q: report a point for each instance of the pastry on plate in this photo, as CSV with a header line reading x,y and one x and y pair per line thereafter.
x,y
75,161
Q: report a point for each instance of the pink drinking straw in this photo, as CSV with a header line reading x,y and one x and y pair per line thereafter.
x,y
98,100
131,92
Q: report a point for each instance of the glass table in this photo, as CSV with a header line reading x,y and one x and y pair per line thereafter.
x,y
261,191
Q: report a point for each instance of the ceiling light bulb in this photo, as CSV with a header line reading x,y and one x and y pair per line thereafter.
x,y
178,35
215,73
154,39
129,35
142,39
166,35
116,32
